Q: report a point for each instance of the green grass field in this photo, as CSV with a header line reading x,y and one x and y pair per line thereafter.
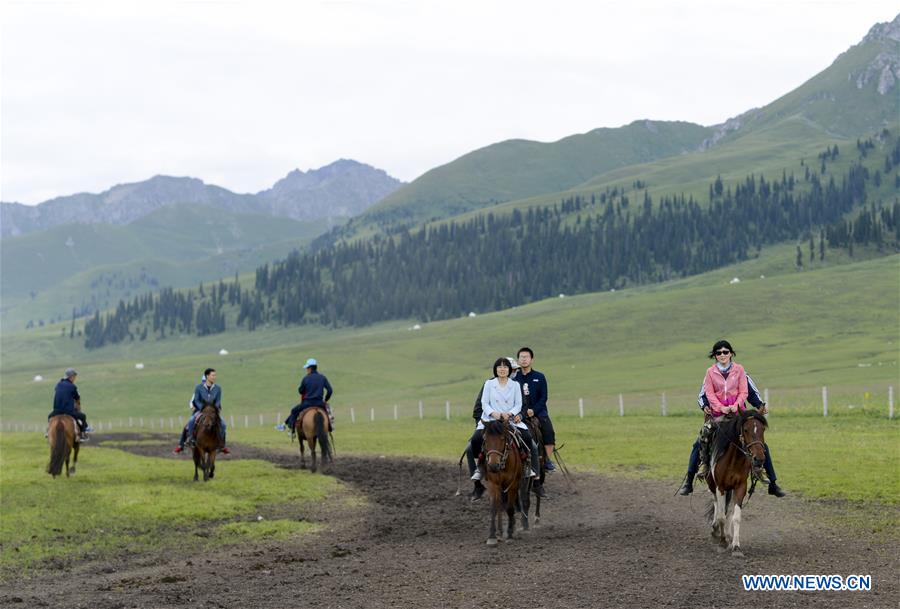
x,y
834,325
120,503
795,332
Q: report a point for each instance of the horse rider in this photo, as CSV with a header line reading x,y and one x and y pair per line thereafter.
x,y
206,392
501,399
477,411
314,390
754,399
66,400
535,384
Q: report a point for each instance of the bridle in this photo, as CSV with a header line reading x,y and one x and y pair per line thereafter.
x,y
744,447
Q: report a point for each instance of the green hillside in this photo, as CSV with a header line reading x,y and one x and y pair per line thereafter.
x,y
519,168
833,325
47,274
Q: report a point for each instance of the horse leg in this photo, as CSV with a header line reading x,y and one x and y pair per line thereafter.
x,y
75,457
312,451
736,520
302,451
492,536
212,464
197,463
511,502
524,503
718,530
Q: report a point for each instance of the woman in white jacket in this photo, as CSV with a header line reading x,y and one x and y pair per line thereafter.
x,y
501,400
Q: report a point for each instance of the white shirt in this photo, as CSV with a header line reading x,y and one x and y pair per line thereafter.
x,y
495,398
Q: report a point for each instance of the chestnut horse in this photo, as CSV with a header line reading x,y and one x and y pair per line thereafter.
x,y
737,447
525,494
207,442
61,433
312,426
503,477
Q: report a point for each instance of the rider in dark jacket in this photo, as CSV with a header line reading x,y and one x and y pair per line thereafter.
x,y
314,389
67,401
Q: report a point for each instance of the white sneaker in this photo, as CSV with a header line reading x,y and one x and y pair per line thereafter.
x,y
281,427
477,475
530,473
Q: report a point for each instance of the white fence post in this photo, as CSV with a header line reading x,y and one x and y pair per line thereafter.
x,y
447,409
580,408
664,403
766,395
824,401
246,421
180,422
891,402
278,418
395,412
621,406
372,414
352,415
261,420
421,410
231,421
171,423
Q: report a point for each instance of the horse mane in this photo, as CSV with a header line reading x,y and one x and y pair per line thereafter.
x,y
730,430
494,428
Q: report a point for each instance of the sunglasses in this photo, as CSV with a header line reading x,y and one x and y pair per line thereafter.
x,y
723,352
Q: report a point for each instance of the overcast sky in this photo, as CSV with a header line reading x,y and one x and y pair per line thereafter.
x,y
238,93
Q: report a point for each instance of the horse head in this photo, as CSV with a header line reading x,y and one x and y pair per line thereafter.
x,y
209,416
752,432
496,445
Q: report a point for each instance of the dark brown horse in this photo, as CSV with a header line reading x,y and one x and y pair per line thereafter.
x,y
534,426
312,426
61,433
502,477
207,441
738,447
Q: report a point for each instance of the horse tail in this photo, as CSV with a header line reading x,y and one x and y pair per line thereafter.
x,y
59,449
322,436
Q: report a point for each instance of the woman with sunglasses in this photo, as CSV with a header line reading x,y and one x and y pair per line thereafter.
x,y
725,386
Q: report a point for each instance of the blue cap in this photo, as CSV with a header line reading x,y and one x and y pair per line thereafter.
x,y
311,362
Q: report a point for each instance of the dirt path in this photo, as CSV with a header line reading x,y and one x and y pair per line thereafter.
x,y
614,542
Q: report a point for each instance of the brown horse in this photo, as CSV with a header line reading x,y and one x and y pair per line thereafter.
x,y
312,426
534,426
503,477
61,433
207,442
738,447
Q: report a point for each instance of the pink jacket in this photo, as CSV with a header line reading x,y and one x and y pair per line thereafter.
x,y
721,391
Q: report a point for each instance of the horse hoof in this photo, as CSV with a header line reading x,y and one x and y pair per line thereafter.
x,y
491,542
736,553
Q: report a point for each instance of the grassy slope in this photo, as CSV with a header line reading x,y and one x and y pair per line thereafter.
x,y
177,245
836,325
519,168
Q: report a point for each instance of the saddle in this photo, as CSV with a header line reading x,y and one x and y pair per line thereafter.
x,y
312,409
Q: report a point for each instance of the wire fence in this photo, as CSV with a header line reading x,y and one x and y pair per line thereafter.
x,y
870,401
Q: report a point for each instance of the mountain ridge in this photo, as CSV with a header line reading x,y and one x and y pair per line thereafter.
x,y
339,190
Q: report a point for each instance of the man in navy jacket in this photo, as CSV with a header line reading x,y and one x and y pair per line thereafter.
x,y
66,400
